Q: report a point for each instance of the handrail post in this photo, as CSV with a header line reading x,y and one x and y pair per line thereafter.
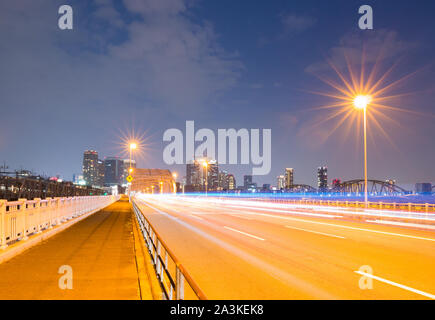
x,y
56,210
23,211
49,212
38,214
3,224
180,285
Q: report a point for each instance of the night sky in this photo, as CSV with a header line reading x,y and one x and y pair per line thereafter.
x,y
152,65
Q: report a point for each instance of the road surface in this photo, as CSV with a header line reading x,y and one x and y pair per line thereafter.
x,y
235,250
100,251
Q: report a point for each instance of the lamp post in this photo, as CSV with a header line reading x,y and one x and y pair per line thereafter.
x,y
174,175
133,146
361,102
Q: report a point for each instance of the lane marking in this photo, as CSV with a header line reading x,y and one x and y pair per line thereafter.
x,y
428,295
325,234
347,227
193,216
244,233
237,216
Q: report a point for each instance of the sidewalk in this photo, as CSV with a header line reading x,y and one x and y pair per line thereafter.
x,y
101,252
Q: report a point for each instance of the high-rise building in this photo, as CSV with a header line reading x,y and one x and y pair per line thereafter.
x,y
289,173
281,182
113,171
101,173
231,182
212,175
247,181
223,180
90,167
196,175
126,167
193,176
322,179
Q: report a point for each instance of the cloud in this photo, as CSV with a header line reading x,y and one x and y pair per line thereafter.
x,y
377,46
291,25
161,7
160,59
157,65
295,24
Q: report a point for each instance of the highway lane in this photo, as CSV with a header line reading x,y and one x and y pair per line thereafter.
x,y
236,251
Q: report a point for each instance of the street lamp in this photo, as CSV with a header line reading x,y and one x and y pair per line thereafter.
x,y
161,187
205,165
133,146
174,175
361,102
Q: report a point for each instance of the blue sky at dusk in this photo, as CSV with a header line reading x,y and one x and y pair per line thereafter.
x,y
152,65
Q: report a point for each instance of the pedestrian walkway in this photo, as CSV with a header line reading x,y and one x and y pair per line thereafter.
x,y
100,251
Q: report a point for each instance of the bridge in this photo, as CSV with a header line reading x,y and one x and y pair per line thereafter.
x,y
168,246
152,181
375,187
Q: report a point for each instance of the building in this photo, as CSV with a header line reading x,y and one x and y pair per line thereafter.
x,y
231,182
322,179
212,175
281,182
423,188
90,167
289,173
197,175
113,171
193,176
247,181
101,173
223,180
127,165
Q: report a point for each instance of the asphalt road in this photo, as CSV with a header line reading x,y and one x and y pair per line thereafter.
x,y
251,250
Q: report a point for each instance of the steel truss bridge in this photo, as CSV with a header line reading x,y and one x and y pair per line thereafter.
x,y
152,181
14,188
373,186
377,187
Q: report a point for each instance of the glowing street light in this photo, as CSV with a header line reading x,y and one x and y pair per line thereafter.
x,y
161,187
361,102
133,146
174,185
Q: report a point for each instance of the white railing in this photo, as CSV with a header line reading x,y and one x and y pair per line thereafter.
x,y
19,219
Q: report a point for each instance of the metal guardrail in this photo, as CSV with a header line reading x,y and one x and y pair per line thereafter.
x,y
19,219
173,277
